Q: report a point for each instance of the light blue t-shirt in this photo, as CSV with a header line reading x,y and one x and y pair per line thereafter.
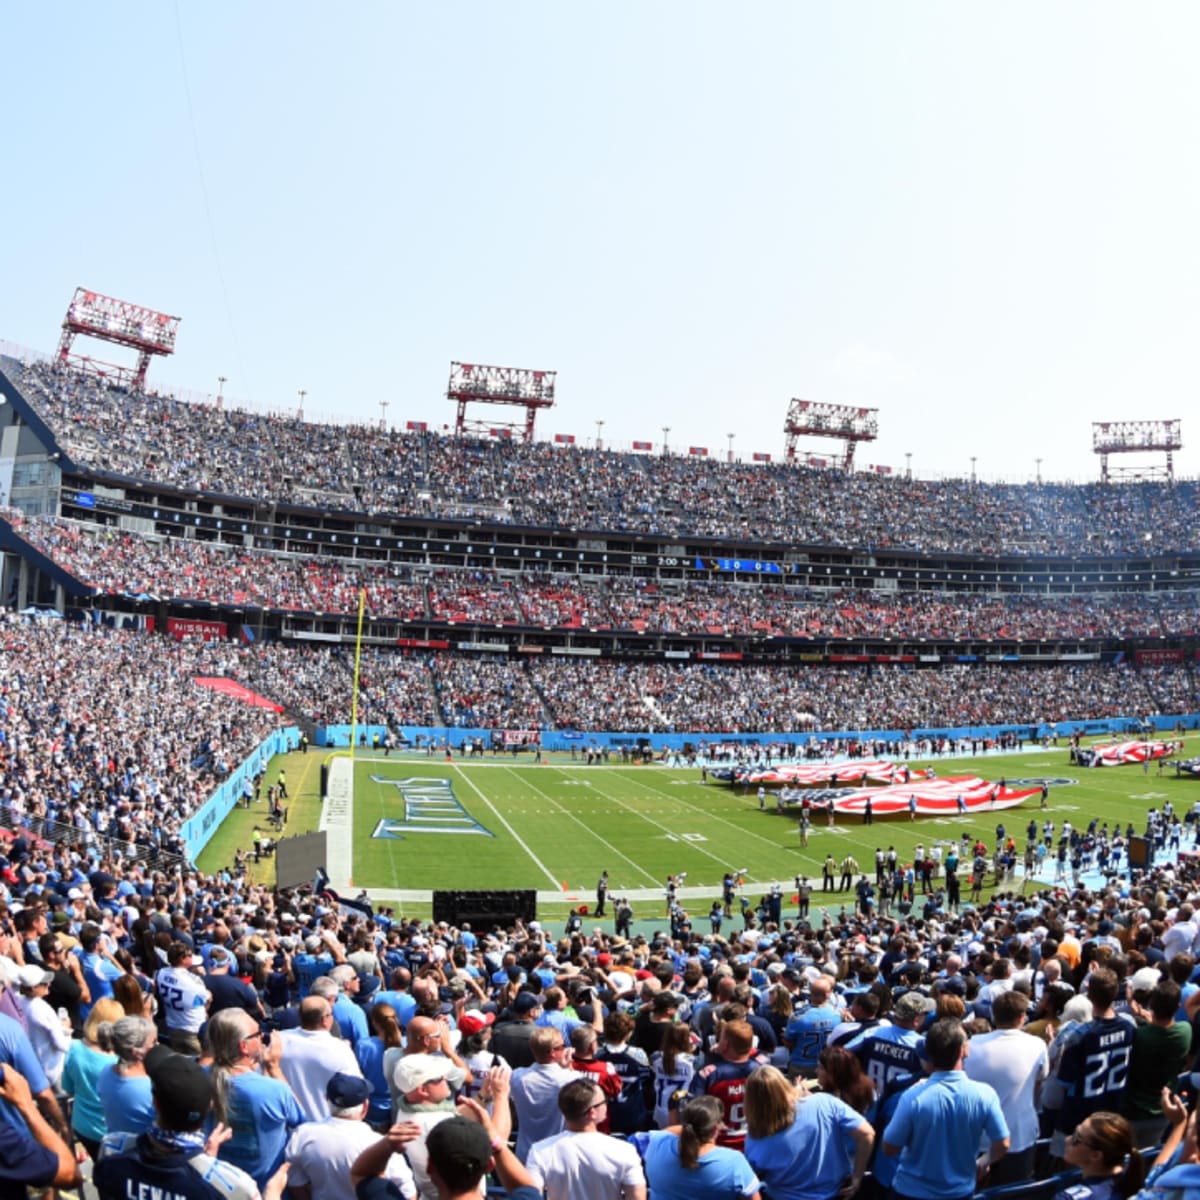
x,y
811,1158
939,1124
806,1032
370,1058
80,1079
719,1174
17,1050
351,1019
262,1113
127,1101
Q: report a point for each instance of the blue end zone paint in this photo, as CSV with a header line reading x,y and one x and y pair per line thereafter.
x,y
430,806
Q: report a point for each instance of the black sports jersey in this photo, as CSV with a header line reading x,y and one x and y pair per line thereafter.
x,y
1094,1066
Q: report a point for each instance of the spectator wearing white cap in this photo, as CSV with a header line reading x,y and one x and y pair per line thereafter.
x,y
425,1086
49,1033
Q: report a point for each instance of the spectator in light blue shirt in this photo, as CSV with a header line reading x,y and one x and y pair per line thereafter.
x,y
807,1031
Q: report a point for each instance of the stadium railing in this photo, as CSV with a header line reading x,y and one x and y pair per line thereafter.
x,y
117,849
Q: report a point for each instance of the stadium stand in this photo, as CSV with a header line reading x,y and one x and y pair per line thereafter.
x,y
278,459
175,568
109,743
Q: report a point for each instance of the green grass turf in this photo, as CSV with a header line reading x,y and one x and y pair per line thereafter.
x,y
563,824
237,830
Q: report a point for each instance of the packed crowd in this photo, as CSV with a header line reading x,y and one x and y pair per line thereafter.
x,y
208,1036
120,563
108,733
598,694
716,697
174,738
277,458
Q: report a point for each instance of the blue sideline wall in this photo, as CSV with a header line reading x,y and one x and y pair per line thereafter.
x,y
339,735
198,829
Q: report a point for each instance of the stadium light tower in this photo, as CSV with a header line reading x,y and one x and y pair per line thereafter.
x,y
1137,437
148,332
666,430
730,436
383,407
471,383
222,380
599,433
300,411
807,418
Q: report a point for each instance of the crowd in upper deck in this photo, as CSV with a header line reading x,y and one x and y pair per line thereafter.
x,y
277,458
118,563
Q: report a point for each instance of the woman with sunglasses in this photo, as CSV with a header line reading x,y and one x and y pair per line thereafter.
x,y
1100,1149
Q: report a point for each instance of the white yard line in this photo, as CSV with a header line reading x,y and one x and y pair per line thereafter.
x,y
723,820
499,817
337,823
584,825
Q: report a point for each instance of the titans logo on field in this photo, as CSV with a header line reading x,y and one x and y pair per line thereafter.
x,y
430,806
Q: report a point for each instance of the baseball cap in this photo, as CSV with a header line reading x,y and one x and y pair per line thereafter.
x,y
30,976
347,1091
460,1149
1145,980
913,1004
415,1070
526,1002
473,1022
182,1089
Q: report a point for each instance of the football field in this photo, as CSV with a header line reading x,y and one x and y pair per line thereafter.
x,y
420,824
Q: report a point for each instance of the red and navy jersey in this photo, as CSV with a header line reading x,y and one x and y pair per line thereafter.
x,y
727,1081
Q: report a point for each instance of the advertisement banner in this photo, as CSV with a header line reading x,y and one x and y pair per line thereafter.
x,y
210,631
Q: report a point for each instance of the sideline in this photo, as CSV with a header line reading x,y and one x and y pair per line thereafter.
x,y
337,824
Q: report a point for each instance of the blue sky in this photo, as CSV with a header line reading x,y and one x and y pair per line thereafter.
x,y
980,219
